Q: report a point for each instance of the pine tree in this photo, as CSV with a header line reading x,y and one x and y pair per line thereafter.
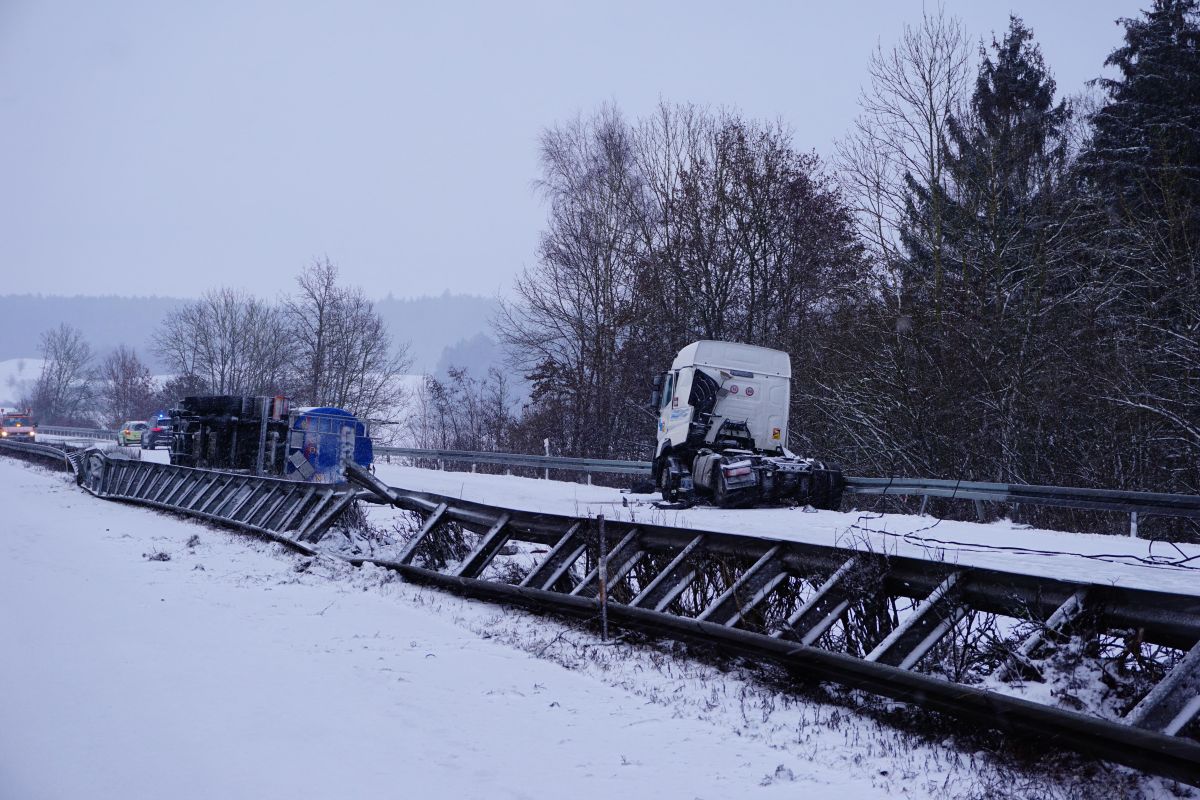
x,y
1145,148
1142,170
985,315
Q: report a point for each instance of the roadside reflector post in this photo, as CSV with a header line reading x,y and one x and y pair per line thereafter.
x,y
602,567
1133,523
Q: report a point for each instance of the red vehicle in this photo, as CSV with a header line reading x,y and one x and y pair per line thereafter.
x,y
17,425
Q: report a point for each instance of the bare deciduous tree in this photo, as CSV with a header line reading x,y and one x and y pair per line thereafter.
x,y
62,393
341,352
234,342
125,388
572,321
900,134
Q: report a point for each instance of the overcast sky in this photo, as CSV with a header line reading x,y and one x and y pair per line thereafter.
x,y
168,147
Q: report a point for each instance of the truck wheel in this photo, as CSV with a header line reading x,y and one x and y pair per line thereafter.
x,y
719,489
670,492
827,487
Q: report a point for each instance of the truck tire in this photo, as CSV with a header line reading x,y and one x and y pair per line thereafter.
x,y
719,489
827,487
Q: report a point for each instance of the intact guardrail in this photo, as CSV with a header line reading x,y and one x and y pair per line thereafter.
x,y
588,465
82,433
67,457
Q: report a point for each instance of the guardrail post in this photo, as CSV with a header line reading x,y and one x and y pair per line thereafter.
x,y
1133,523
602,562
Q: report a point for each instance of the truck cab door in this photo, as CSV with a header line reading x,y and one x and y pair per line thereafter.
x,y
676,414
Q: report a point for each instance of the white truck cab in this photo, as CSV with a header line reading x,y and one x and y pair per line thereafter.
x,y
723,428
753,386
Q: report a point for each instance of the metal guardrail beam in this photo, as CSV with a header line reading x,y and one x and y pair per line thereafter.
x,y
672,558
292,511
67,457
1125,502
521,460
98,434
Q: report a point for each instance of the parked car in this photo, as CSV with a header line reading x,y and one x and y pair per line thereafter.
x,y
157,433
130,432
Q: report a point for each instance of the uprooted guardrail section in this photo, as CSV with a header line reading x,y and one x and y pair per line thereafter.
x,y
290,511
295,512
831,614
859,619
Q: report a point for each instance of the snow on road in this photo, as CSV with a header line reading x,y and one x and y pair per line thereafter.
x,y
239,670
1115,560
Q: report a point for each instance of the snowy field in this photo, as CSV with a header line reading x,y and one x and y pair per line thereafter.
x,y
151,657
17,376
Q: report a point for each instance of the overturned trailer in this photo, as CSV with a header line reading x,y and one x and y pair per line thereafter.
x,y
723,428
268,437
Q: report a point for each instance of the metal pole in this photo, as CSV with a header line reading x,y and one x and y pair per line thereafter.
x,y
262,435
546,445
1133,523
602,565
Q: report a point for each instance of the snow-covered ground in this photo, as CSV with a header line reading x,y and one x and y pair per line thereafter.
x,y
1001,545
150,657
1107,559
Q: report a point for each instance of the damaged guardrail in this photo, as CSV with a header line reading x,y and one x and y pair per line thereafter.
x,y
768,598
1135,504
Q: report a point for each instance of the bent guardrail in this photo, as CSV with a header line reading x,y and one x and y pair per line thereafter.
x,y
772,598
